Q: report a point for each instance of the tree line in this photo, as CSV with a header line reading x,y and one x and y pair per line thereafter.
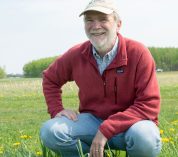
x,y
165,58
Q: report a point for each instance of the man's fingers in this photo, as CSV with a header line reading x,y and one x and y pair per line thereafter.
x,y
72,116
69,114
97,146
96,153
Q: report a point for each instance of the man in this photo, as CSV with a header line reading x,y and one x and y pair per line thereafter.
x,y
118,92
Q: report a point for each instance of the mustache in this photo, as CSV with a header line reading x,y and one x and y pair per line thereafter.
x,y
97,31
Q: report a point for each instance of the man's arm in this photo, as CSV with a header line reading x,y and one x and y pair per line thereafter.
x,y
54,77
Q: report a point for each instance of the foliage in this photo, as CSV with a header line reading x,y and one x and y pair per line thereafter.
x,y
36,67
2,73
165,58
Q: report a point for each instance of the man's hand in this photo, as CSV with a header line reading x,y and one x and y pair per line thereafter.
x,y
69,114
97,147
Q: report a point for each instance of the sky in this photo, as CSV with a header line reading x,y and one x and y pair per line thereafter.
x,y
35,29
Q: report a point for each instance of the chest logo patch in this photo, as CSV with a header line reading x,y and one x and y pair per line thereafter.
x,y
119,70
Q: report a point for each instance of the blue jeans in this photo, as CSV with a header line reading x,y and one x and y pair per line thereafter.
x,y
61,135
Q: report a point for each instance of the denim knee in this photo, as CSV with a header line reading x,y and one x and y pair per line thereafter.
x,y
54,135
47,134
58,135
143,139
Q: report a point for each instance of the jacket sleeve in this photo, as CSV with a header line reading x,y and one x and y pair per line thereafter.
x,y
54,77
146,105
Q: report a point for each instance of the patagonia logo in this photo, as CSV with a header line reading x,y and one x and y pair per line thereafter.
x,y
119,70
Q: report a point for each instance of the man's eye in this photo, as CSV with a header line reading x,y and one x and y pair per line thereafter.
x,y
103,20
88,20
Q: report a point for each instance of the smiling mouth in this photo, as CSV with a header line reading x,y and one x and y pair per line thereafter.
x,y
97,34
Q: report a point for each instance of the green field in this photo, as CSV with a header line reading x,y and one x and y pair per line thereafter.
x,y
23,109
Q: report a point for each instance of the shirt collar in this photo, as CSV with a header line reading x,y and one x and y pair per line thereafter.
x,y
110,54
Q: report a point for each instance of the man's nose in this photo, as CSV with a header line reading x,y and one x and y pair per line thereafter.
x,y
96,24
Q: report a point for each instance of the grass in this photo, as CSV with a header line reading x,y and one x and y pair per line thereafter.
x,y
23,109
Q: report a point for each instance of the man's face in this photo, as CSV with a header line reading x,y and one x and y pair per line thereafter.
x,y
101,29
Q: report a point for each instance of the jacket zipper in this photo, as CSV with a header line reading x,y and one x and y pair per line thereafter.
x,y
115,90
104,83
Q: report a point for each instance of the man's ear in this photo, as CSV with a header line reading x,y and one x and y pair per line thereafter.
x,y
119,23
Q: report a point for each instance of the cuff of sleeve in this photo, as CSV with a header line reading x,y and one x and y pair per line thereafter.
x,y
54,113
105,131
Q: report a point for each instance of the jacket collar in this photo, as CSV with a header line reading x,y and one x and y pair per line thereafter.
x,y
118,61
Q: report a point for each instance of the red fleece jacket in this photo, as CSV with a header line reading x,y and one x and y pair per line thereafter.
x,y
127,91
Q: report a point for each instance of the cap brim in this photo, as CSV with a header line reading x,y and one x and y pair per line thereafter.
x,y
98,9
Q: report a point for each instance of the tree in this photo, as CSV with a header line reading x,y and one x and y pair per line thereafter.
x,y
36,67
2,73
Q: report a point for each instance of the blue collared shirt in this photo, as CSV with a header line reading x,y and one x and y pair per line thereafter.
x,y
103,62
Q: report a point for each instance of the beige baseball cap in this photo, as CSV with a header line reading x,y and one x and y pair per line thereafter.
x,y
103,6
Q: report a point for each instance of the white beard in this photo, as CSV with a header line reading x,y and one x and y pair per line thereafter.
x,y
105,42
